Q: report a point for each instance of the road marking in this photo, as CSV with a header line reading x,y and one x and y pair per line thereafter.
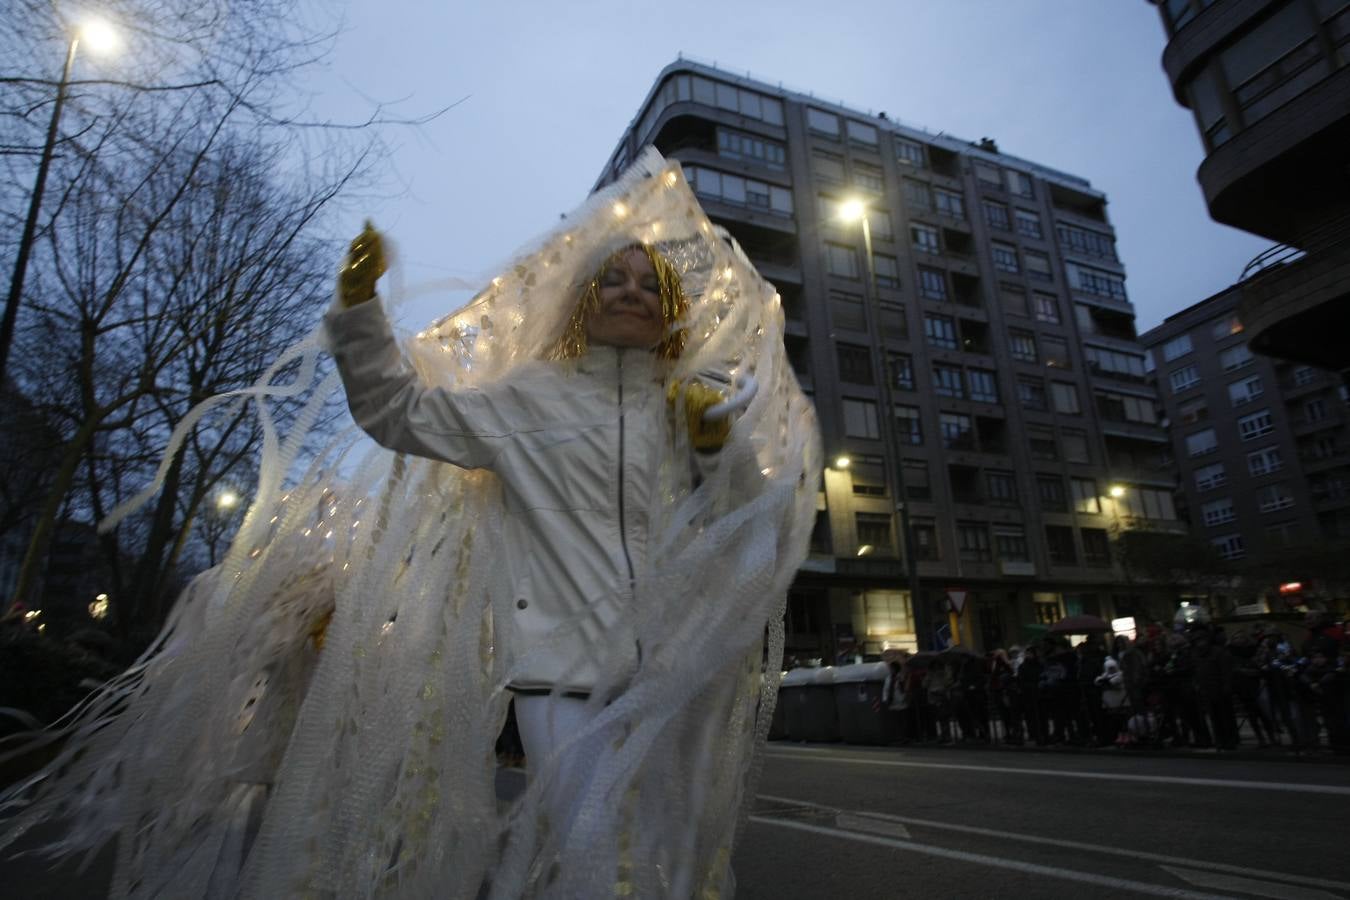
x,y
883,825
998,862
1078,845
1320,789
1248,885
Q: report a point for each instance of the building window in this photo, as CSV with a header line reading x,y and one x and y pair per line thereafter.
x,y
1075,444
1005,257
1081,241
822,123
1096,282
847,311
1176,348
917,485
972,542
1230,546
908,428
1038,265
1014,300
862,133
1022,345
860,418
982,385
1202,442
1147,503
902,372
1315,410
1274,497
1085,497
1218,512
940,331
1256,425
1265,461
855,364
736,145
739,191
925,538
1235,357
1001,488
917,195
925,238
1046,307
893,321
932,283
1282,535
1128,366
1240,393
1029,224
1031,393
956,430
1065,397
1227,326
1011,543
841,260
1047,610
1193,412
1096,547
1126,407
1184,379
1304,375
949,204
828,166
874,530
885,271
1056,352
1209,477
1042,443
1059,541
909,153
1050,492
987,173
1019,183
996,215
868,177
947,381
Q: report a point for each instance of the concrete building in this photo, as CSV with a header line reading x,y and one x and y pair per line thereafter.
x,y
1269,84
998,304
1262,445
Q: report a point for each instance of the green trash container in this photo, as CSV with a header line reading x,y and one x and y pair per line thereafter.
x,y
807,699
857,700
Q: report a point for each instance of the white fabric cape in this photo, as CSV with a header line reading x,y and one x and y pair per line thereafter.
x,y
237,759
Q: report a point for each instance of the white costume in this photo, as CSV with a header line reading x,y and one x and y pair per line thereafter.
x,y
237,759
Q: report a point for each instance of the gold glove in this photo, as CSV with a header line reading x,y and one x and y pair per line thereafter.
x,y
704,435
364,264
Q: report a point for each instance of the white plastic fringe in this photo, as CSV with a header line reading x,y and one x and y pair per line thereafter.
x,y
237,758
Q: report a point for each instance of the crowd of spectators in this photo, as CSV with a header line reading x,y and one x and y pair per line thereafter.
x,y
1191,685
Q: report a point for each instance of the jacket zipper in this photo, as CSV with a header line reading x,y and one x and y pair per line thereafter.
x,y
623,527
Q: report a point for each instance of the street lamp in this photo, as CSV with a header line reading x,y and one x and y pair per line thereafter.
x,y
1116,491
852,210
100,37
227,500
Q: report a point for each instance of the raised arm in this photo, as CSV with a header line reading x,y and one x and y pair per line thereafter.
x,y
386,396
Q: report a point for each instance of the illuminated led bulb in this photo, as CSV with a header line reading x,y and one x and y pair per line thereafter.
x,y
620,210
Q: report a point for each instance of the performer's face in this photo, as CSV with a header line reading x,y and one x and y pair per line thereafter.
x,y
629,312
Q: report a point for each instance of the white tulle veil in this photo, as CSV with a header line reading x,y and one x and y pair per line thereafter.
x,y
240,758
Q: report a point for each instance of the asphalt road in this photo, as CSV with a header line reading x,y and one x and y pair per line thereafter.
x,y
837,822
851,823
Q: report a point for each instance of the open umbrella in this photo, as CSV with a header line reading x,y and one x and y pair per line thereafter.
x,y
1080,625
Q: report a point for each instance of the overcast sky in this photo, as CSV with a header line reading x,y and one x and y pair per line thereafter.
x,y
549,87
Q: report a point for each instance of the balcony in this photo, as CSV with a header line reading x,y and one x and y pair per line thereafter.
x,y
1300,310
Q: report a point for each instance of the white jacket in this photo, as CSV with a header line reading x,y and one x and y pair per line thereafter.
x,y
576,445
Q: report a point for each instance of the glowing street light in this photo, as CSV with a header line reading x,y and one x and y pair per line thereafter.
x,y
852,210
101,38
1116,491
99,608
842,462
227,500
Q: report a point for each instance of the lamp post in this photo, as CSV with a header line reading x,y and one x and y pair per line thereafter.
x,y
853,211
101,38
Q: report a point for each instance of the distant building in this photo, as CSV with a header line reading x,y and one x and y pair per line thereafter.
x,y
1262,446
1019,387
1269,84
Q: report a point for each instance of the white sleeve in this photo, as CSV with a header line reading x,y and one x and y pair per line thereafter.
x,y
389,401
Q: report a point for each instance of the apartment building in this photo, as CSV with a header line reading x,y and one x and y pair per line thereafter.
x,y
1262,445
1269,84
1022,434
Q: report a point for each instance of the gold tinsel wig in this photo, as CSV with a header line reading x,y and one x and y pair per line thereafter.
x,y
674,305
